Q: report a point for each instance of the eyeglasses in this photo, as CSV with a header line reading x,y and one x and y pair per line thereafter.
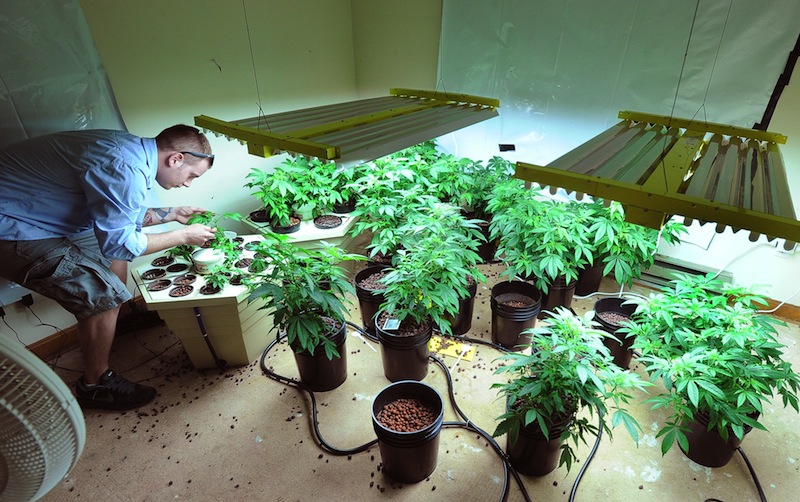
x,y
208,156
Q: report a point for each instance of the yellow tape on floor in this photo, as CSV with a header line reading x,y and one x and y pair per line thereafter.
x,y
449,347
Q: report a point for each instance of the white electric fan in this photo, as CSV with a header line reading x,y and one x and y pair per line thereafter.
x,y
42,430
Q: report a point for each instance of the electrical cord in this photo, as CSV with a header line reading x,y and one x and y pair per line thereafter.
x,y
341,452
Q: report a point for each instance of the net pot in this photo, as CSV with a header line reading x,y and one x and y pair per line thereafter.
x,y
533,454
509,321
606,311
409,457
404,357
368,301
706,447
319,373
462,321
589,280
559,294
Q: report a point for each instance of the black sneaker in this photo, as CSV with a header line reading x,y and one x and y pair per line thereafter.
x,y
112,392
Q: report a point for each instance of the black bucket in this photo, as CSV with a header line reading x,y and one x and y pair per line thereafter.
x,y
508,322
487,250
462,321
533,454
706,447
404,357
369,301
319,373
559,294
409,457
620,348
589,280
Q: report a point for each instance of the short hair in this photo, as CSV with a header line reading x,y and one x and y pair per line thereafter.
x,y
183,138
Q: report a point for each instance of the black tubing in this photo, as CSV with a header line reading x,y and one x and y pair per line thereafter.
x,y
221,363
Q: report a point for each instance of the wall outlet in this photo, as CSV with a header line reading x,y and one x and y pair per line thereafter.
x,y
785,248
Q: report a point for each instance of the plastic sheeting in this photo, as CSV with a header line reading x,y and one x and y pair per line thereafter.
x,y
51,78
564,69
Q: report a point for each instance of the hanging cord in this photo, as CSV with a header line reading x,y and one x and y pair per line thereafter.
x,y
261,114
678,87
713,65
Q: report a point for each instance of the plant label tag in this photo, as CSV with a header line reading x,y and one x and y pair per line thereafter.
x,y
391,325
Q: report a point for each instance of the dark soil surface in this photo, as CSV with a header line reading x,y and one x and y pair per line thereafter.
x,y
243,263
208,289
327,221
177,267
162,261
408,327
613,318
179,291
236,280
381,259
515,300
373,281
184,279
292,222
154,273
159,285
406,415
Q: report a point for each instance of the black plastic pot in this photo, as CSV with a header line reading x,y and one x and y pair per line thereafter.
x,y
319,373
487,250
508,322
707,447
290,229
368,300
589,280
345,207
559,294
404,357
408,457
534,454
620,348
259,216
462,321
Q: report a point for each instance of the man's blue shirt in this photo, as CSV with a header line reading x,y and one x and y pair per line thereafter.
x,y
61,184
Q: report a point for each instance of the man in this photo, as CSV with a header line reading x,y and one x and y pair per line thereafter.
x,y
72,208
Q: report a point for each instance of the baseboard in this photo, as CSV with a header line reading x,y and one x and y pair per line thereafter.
x,y
55,344
67,338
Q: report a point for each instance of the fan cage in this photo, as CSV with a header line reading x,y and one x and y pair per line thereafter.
x,y
42,429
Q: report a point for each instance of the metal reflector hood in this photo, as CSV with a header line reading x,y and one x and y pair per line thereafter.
x,y
357,131
659,166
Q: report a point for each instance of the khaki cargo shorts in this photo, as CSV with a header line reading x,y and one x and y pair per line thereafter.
x,y
71,271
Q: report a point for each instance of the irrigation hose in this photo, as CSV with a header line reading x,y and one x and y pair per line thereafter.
x,y
508,469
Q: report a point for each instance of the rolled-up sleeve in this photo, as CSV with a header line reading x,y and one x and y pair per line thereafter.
x,y
115,194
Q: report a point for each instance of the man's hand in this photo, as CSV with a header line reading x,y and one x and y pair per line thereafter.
x,y
158,215
197,234
183,213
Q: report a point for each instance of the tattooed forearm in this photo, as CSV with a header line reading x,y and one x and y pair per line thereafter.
x,y
156,215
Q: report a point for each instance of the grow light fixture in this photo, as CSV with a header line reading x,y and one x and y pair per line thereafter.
x,y
658,166
357,131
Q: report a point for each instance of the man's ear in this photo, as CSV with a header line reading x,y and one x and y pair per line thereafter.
x,y
175,159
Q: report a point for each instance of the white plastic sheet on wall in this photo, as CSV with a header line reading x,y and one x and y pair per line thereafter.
x,y
564,69
51,78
